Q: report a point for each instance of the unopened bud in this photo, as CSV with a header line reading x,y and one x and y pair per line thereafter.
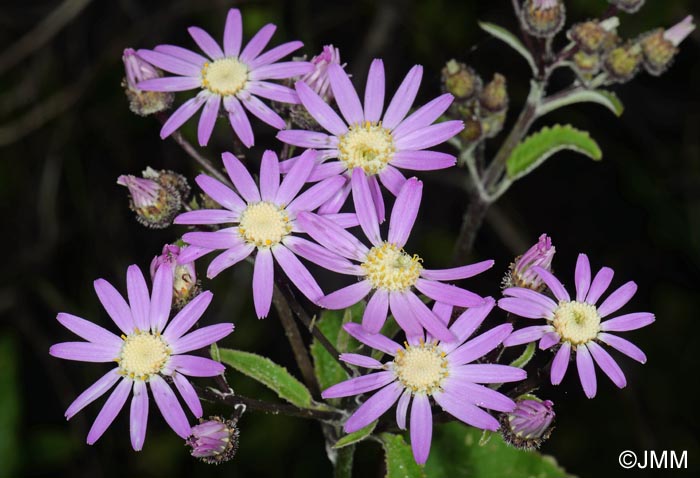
x,y
659,46
143,103
157,197
529,424
543,18
214,441
472,131
586,64
318,79
589,36
622,62
521,273
185,285
629,6
494,97
460,80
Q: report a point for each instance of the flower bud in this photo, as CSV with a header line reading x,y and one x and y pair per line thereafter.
x,y
318,79
629,6
659,46
157,197
589,36
520,273
529,424
622,62
494,97
473,130
185,285
214,441
143,103
586,64
460,80
543,18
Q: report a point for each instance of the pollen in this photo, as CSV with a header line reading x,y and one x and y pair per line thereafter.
x,y
226,76
264,224
576,322
421,368
368,146
390,268
142,355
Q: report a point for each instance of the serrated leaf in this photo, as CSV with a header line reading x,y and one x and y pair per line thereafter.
x,y
354,437
536,148
511,40
458,452
399,458
326,368
602,97
267,372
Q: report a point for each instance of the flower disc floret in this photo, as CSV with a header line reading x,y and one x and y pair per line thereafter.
x,y
264,224
577,322
421,368
225,77
142,355
368,146
390,268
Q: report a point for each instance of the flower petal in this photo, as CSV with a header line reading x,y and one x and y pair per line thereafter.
x,y
480,395
173,84
582,277
375,341
316,195
345,94
273,91
428,319
624,346
553,283
187,317
263,112
88,331
139,300
374,407
359,385
332,236
560,363
607,364
600,284
405,211
527,335
403,98
188,394
449,294
524,308
206,43
480,345
258,43
85,351
586,371
93,392
233,33
161,298
488,373
182,114
221,193
169,406
269,176
241,178
424,116
465,411
298,273
374,92
347,296
467,323
307,139
109,410
182,54
275,54
169,63
319,110
403,314
423,160
430,135
617,299
627,322
547,304
281,70
263,282
361,360
201,338
115,305
296,178
207,216
421,428
321,256
228,258
402,408
364,206
456,273
195,366
208,119
138,418
239,121
376,311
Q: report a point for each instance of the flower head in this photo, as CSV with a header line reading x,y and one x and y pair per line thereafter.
x,y
318,79
424,368
385,270
157,197
543,18
529,424
262,220
143,103
660,47
230,75
521,272
185,285
146,352
577,324
215,440
376,143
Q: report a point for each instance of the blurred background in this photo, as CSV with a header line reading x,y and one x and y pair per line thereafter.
x,y
66,133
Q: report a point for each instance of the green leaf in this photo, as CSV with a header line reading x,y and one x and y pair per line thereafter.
x,y
265,371
399,458
512,41
9,405
525,357
354,437
602,97
456,452
327,369
536,148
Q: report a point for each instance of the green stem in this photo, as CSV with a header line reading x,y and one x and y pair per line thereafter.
x,y
344,462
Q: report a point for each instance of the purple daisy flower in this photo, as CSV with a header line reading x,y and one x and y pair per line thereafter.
x,y
230,75
386,269
146,352
365,139
264,219
423,369
577,324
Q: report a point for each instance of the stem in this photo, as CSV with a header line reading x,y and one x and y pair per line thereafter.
x,y
291,330
471,222
343,464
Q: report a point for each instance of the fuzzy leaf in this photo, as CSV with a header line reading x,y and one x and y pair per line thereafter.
x,y
536,148
273,376
354,437
602,97
525,357
399,458
459,451
510,39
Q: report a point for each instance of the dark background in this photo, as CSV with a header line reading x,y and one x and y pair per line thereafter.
x,y
66,134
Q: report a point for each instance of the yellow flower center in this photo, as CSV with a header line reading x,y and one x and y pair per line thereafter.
x,y
421,368
264,224
142,355
226,76
368,146
577,322
390,268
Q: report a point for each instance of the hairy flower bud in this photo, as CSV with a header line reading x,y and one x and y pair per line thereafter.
x,y
494,97
543,18
214,441
622,62
460,81
185,285
143,103
520,273
629,6
659,46
157,197
318,79
529,424
589,36
586,64
473,130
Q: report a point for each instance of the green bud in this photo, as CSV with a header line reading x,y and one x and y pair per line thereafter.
x,y
460,80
